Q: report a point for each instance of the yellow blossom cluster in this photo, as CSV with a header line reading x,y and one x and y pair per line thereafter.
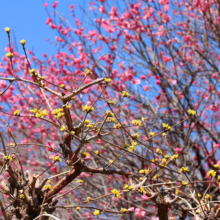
x,y
62,128
211,173
167,127
117,126
136,122
56,159
110,119
109,113
192,112
17,112
22,196
7,158
217,166
107,80
78,209
116,193
133,146
185,183
159,151
125,94
175,156
59,113
96,212
142,190
110,102
87,108
208,196
9,55
41,113
155,176
184,169
135,136
48,187
145,171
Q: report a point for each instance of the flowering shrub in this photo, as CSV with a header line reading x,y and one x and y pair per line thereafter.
x,y
129,134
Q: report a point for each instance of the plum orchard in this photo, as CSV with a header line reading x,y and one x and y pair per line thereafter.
x,y
130,134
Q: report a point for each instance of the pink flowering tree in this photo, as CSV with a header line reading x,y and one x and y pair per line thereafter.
x,y
121,123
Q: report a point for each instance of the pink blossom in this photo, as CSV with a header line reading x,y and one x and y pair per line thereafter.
x,y
146,88
140,213
55,4
137,81
45,4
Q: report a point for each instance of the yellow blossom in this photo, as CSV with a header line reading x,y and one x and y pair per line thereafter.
x,y
145,171
167,127
136,122
155,160
87,108
48,187
159,151
97,152
22,196
156,176
192,112
110,102
110,161
184,169
87,122
32,72
117,126
144,119
177,192
84,153
217,166
126,186
56,159
125,94
78,208
135,136
88,72
33,110
151,134
9,55
68,106
62,86
72,132
62,128
166,156
142,190
96,212
131,148
123,210
79,181
131,188
7,158
175,156
7,29
89,199
23,42
197,211
211,173
208,196
107,80
184,183
17,112
199,195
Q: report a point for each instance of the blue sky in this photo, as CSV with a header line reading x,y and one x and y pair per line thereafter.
x,y
27,18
